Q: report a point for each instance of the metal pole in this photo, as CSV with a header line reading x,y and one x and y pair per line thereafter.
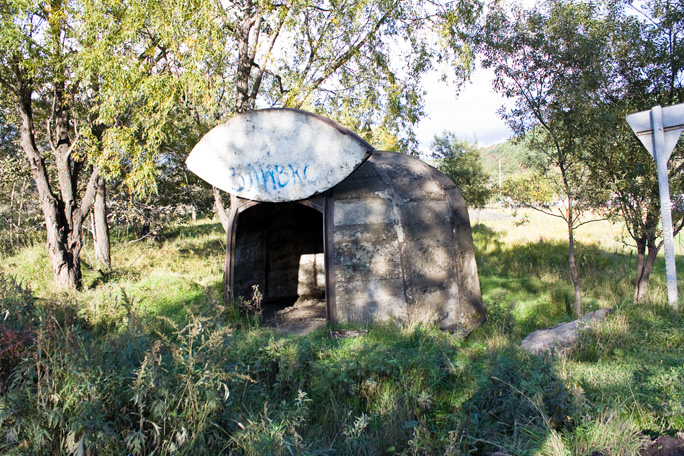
x,y
661,156
499,181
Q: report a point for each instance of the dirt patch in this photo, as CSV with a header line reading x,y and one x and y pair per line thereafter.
x,y
665,446
662,446
302,317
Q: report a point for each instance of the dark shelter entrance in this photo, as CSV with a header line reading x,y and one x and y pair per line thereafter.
x,y
279,248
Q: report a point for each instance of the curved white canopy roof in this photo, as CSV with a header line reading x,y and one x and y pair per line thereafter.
x,y
276,155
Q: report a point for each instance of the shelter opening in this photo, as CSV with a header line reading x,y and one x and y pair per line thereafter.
x,y
279,248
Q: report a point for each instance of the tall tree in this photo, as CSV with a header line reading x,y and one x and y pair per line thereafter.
x,y
358,62
121,83
36,75
631,58
645,67
537,55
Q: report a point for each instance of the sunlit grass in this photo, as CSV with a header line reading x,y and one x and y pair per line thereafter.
x,y
153,277
524,225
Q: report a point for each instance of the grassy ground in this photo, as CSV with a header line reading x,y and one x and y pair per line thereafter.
x,y
147,360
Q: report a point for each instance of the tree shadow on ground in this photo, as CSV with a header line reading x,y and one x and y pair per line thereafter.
x,y
521,405
399,390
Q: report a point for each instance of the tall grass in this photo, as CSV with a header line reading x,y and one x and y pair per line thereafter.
x,y
148,360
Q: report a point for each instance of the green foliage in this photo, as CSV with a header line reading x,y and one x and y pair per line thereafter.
x,y
460,160
169,73
619,161
127,88
576,69
76,394
180,197
527,191
181,388
550,60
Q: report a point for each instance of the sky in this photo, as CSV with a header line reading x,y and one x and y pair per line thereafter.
x,y
471,114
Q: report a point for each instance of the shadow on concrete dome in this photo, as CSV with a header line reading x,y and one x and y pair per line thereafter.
x,y
392,241
403,246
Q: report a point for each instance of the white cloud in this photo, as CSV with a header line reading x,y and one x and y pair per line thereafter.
x,y
471,114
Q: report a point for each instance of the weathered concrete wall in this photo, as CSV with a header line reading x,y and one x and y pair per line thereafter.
x,y
368,271
403,246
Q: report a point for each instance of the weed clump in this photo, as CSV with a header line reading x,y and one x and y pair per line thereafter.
x,y
17,326
127,391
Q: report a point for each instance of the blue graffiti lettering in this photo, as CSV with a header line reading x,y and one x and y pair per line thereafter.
x,y
253,176
295,174
268,178
265,175
280,171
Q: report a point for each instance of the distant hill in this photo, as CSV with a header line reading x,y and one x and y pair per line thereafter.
x,y
512,157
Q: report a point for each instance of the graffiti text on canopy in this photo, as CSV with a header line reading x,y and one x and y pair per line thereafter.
x,y
269,177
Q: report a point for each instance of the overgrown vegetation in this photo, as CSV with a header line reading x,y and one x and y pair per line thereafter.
x,y
147,360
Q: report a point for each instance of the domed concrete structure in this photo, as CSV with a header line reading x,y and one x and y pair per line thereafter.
x,y
391,241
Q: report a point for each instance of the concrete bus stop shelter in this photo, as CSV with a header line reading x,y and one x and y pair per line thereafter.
x,y
384,236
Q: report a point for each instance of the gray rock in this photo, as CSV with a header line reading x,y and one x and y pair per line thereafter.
x,y
562,337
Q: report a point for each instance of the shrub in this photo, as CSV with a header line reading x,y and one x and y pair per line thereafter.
x,y
79,394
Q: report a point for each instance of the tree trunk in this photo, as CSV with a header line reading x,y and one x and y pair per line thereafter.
x,y
644,275
647,249
574,274
101,232
639,289
63,217
248,38
569,218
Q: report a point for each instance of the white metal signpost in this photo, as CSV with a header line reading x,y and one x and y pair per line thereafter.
x,y
659,130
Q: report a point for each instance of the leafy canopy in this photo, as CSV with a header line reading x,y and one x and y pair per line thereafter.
x,y
460,159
